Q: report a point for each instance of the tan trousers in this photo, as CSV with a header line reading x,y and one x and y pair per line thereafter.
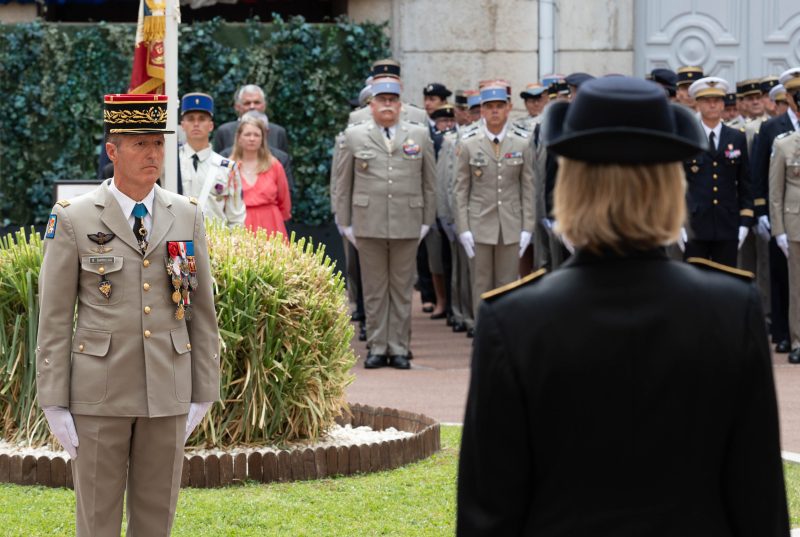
x,y
493,265
754,256
387,278
794,293
141,455
461,286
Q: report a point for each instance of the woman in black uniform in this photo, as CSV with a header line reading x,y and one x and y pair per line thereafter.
x,y
624,394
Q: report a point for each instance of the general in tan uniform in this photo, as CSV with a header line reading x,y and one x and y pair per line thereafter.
x,y
385,202
381,71
116,383
494,195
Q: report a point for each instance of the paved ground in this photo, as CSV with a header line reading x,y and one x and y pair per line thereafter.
x,y
437,383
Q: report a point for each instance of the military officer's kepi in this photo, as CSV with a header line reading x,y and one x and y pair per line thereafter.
x,y
689,74
532,91
666,77
473,98
439,90
778,94
493,93
386,87
767,83
623,120
730,99
748,87
135,114
197,102
386,67
576,79
710,86
790,79
446,110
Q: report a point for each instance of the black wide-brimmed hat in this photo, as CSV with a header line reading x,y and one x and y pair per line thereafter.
x,y
623,120
135,114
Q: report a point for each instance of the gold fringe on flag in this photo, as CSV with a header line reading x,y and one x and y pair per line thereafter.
x,y
155,24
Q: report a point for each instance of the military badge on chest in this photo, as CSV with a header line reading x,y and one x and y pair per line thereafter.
x,y
101,239
411,148
182,273
732,153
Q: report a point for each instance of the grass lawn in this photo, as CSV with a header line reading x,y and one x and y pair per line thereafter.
x,y
417,500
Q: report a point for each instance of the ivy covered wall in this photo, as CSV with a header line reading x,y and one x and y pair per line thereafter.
x,y
53,78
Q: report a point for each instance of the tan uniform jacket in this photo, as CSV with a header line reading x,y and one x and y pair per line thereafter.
x,y
382,194
494,194
335,165
408,112
751,128
784,186
128,355
445,169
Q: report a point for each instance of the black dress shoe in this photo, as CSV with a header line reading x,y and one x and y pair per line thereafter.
x,y
449,321
470,332
374,361
459,327
794,357
357,316
783,345
427,308
439,315
362,333
399,362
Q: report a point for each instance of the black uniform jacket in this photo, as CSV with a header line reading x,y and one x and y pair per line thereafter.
x,y
622,396
719,195
762,150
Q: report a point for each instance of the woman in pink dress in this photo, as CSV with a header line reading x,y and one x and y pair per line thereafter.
x,y
264,186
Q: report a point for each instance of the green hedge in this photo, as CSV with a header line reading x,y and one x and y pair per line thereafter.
x,y
284,327
53,78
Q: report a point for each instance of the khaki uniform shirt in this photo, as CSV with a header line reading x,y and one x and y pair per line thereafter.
x,y
494,191
125,355
784,186
385,193
224,201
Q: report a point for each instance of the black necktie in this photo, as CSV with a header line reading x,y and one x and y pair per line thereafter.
x,y
496,143
139,231
195,161
388,133
712,141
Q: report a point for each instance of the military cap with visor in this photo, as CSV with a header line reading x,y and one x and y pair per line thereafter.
x,y
436,89
748,87
197,102
386,67
688,74
710,86
533,91
129,113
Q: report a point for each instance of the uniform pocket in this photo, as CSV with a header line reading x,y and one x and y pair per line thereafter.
x,y
97,268
416,202
182,364
89,374
513,161
361,200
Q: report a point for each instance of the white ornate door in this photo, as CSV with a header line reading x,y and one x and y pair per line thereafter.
x,y
732,39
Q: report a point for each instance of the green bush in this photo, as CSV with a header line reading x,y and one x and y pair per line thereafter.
x,y
284,326
53,78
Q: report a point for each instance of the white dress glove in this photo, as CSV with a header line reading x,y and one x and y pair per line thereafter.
x,y
423,231
196,413
742,235
763,228
468,242
340,229
683,239
348,233
63,428
783,243
524,241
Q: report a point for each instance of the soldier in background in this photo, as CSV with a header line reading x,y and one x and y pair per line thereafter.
x,y
388,70
730,114
668,80
687,75
767,83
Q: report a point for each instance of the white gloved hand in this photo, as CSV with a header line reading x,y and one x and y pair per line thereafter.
x,y
468,242
340,229
524,241
783,243
348,233
763,228
449,230
742,235
548,222
63,428
683,239
196,413
423,231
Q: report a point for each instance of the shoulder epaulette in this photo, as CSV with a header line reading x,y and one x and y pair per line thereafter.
x,y
784,135
522,133
63,203
411,105
356,124
742,129
226,163
415,123
530,278
193,201
718,267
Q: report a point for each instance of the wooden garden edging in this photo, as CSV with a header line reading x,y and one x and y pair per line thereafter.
x,y
267,466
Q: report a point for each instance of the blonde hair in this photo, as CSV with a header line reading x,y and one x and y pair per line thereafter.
x,y
601,206
264,154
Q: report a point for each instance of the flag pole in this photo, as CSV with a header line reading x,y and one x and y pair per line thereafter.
x,y
172,19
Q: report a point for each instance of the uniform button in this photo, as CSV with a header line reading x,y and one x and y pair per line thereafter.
x,y
146,262
38,373
214,357
38,348
499,202
147,333
715,202
714,176
714,163
499,190
390,168
390,196
101,270
390,181
146,286
81,347
189,346
147,309
715,189
46,361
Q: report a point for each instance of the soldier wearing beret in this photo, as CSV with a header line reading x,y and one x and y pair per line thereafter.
x,y
622,353
718,182
203,174
124,383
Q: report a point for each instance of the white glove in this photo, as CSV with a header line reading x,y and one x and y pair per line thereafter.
x,y
783,243
196,413
524,241
742,235
449,230
348,233
340,229
423,231
683,239
63,428
468,243
763,228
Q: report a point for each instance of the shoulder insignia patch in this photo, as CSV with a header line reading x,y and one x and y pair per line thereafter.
x,y
412,122
522,133
711,265
193,201
50,231
469,134
63,203
355,124
522,282
741,129
225,163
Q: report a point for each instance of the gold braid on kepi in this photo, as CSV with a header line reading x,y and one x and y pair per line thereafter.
x,y
135,114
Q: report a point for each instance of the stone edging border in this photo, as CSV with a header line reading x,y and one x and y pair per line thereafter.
x,y
213,471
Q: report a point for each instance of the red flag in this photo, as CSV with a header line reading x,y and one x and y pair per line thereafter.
x,y
148,56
